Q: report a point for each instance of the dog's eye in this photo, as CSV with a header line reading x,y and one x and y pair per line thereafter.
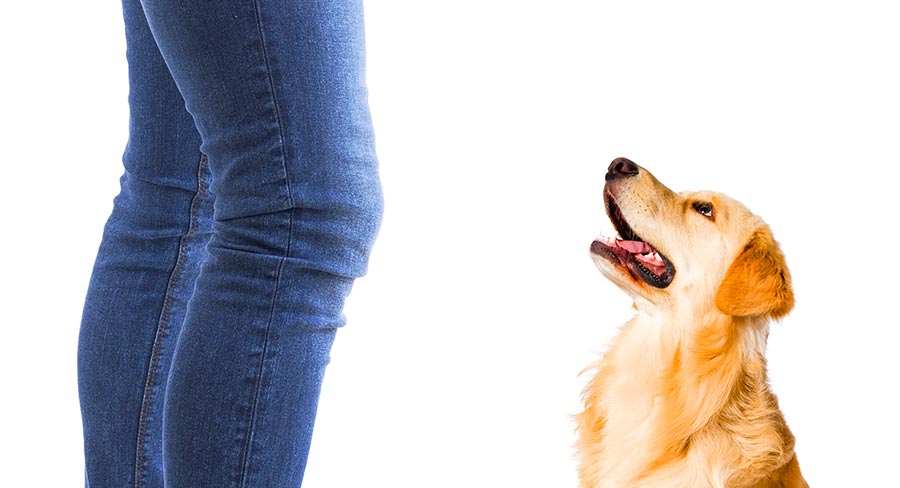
x,y
705,209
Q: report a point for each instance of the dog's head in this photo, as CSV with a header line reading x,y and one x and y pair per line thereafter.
x,y
690,249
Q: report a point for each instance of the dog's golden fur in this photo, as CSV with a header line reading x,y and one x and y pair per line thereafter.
x,y
681,397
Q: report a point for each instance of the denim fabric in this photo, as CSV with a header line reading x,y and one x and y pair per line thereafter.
x,y
249,203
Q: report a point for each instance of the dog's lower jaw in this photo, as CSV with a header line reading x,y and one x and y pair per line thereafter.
x,y
680,409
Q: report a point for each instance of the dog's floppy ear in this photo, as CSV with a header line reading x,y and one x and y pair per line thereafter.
x,y
758,282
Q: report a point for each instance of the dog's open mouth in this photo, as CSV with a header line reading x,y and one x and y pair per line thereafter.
x,y
640,258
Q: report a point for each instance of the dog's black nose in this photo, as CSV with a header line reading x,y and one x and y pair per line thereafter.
x,y
620,168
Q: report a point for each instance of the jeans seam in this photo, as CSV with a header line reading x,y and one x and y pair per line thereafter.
x,y
265,54
245,455
163,323
245,451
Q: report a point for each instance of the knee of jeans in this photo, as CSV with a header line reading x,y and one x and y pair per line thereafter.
x,y
334,235
150,209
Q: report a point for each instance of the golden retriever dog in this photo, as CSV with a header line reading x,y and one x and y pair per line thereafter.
x,y
681,397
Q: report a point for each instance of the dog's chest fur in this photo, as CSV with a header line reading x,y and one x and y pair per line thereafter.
x,y
629,377
628,430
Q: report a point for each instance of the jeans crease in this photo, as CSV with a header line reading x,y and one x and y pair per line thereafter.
x,y
163,324
151,181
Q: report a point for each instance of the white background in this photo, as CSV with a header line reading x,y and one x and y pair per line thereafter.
x,y
495,122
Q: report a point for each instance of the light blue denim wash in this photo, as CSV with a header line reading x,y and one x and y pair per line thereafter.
x,y
249,203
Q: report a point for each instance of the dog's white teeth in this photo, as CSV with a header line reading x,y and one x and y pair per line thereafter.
x,y
652,258
609,241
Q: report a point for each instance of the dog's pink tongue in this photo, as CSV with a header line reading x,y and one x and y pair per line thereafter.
x,y
634,247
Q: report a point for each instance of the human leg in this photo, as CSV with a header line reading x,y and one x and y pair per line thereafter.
x,y
153,244
277,92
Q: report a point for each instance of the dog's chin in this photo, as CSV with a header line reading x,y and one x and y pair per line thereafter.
x,y
616,274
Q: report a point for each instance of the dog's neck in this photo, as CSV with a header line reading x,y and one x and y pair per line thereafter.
x,y
701,366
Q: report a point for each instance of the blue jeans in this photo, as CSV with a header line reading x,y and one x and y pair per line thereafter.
x,y
249,203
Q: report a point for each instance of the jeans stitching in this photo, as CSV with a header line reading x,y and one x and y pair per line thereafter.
x,y
245,455
245,452
163,324
265,54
